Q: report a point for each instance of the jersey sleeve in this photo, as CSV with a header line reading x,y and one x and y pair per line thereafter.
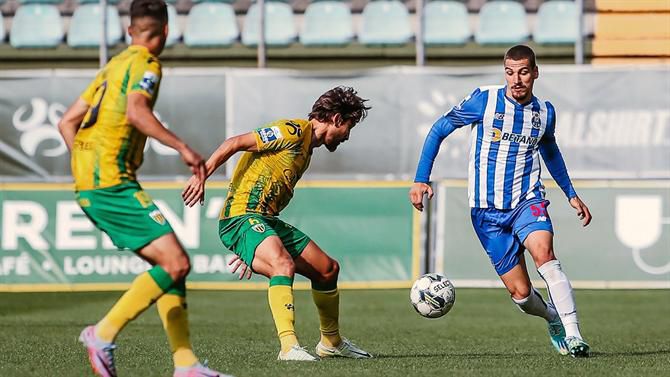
x,y
279,135
552,156
470,110
89,92
145,77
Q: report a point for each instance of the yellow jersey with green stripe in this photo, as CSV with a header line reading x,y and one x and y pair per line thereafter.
x,y
263,181
108,150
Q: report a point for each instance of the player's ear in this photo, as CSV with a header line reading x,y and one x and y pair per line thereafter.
x,y
536,73
336,119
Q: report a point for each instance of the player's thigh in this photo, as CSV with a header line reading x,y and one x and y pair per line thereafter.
x,y
517,280
502,247
533,227
126,213
315,264
271,258
253,238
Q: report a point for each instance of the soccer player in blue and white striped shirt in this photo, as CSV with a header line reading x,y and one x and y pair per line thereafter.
x,y
511,129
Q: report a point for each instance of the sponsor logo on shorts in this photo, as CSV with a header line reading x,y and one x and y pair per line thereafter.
x,y
260,228
542,218
269,134
157,216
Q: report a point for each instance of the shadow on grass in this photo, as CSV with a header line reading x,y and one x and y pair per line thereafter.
x,y
496,355
631,353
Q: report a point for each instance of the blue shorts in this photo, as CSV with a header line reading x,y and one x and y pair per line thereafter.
x,y
503,231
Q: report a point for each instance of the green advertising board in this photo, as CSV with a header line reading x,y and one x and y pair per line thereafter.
x,y
627,245
48,244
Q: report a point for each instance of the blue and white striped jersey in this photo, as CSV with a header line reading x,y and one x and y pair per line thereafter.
x,y
505,146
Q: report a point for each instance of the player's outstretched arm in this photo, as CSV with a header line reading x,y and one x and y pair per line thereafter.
x,y
71,120
582,210
141,116
194,192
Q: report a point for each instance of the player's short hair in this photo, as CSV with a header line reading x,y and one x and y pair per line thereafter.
x,y
156,9
341,100
520,52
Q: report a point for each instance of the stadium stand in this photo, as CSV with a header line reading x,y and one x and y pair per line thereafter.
x,y
174,33
556,22
36,23
327,23
637,29
280,30
85,30
385,22
501,22
211,23
446,23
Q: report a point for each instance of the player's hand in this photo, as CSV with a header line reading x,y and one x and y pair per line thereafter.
x,y
417,192
194,192
236,262
195,162
582,210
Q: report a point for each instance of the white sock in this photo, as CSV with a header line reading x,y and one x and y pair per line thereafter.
x,y
535,305
560,292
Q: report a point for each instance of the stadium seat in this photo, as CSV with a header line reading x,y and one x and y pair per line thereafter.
x,y
557,22
36,26
501,22
85,24
279,25
211,24
385,22
327,23
445,23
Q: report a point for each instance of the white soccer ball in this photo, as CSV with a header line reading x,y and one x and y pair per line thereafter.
x,y
432,295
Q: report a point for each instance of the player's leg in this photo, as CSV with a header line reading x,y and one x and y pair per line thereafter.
x,y
540,245
322,270
494,229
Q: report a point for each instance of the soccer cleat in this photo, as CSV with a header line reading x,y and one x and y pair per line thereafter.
x,y
557,336
345,349
577,347
296,353
198,370
100,354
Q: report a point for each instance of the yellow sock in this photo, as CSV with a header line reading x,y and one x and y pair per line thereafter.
x,y
328,304
172,310
144,291
280,295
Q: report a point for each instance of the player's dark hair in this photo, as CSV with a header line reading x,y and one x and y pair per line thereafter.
x,y
341,100
156,9
520,52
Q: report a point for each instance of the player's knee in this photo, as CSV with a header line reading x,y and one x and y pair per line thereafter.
x,y
284,265
519,292
543,254
328,274
179,267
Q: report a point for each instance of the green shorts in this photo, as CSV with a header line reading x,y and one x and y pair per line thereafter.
x,y
126,213
242,235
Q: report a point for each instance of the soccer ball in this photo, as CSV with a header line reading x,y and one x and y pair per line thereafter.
x,y
432,295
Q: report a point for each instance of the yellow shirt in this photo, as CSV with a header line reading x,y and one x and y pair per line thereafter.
x,y
107,149
264,181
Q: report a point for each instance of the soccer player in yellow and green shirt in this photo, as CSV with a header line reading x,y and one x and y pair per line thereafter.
x,y
275,157
106,130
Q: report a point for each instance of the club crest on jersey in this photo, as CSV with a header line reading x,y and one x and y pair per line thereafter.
x,y
269,134
149,81
157,216
260,228
535,120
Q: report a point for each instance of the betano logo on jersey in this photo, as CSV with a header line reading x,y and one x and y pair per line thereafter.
x,y
497,135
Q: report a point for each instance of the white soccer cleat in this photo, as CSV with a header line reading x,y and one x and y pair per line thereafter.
x,y
345,349
578,347
296,353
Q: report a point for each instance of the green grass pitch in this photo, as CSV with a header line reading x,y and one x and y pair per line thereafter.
x,y
484,335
